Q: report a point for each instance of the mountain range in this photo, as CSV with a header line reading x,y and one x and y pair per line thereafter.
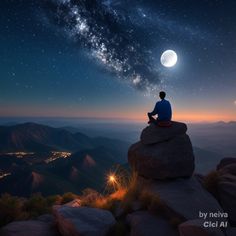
x,y
33,159
41,158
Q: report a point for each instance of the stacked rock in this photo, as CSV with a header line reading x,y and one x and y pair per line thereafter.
x,y
162,157
163,152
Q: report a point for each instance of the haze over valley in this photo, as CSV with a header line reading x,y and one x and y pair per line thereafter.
x,y
42,158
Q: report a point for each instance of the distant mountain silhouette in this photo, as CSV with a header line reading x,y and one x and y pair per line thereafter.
x,y
32,137
216,137
205,160
91,159
35,137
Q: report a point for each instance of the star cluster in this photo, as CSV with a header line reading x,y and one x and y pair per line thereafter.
x,y
90,58
109,36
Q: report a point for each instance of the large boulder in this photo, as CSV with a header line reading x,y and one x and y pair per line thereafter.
x,y
227,195
142,223
29,228
47,218
185,197
86,221
226,161
231,231
226,187
156,134
197,228
228,169
170,159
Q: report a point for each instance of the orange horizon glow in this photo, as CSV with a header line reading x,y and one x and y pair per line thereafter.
x,y
188,118
130,115
199,117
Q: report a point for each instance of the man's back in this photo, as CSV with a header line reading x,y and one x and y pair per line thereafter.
x,y
164,111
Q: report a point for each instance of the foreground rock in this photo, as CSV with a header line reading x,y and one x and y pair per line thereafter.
x,y
231,231
170,159
227,190
228,169
29,228
163,152
47,218
226,161
227,196
74,203
185,197
155,134
143,223
196,228
86,221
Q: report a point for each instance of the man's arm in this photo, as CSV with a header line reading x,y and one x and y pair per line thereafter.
x,y
155,111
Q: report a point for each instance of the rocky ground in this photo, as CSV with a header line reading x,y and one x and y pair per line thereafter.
x,y
167,199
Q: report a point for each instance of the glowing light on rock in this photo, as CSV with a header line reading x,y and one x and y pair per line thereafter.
x,y
112,179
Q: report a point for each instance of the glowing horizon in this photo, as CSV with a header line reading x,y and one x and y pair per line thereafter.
x,y
101,74
182,117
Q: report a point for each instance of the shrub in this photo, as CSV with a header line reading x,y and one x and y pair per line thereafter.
x,y
210,182
175,221
157,206
11,209
54,200
68,197
132,192
146,198
123,197
90,197
37,205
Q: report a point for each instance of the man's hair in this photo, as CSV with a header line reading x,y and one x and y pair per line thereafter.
x,y
162,94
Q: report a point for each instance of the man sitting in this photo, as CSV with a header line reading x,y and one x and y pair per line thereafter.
x,y
162,110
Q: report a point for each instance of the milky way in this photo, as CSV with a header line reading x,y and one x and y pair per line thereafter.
x,y
110,37
122,36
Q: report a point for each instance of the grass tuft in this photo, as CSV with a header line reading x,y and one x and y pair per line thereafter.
x,y
210,182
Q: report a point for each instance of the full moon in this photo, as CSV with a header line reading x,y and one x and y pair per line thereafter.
x,y
169,58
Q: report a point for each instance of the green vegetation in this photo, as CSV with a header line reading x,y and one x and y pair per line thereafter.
x,y
16,208
11,209
120,202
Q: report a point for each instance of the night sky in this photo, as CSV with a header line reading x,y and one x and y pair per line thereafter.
x,y
78,58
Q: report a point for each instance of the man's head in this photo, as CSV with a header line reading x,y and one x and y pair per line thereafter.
x,y
162,95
